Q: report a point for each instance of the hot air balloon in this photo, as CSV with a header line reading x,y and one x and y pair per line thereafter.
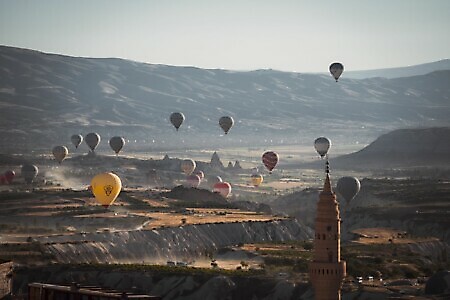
x,y
29,172
270,160
76,139
92,140
9,176
256,179
177,119
226,123
322,145
336,70
60,153
348,187
212,180
200,174
106,187
193,180
188,166
223,188
116,143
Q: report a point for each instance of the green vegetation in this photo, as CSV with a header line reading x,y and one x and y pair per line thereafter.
x,y
291,256
161,269
392,261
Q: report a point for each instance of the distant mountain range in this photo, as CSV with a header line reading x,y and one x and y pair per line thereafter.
x,y
428,147
45,98
409,71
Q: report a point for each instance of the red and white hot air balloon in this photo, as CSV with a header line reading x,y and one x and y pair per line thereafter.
x,y
223,188
270,160
9,176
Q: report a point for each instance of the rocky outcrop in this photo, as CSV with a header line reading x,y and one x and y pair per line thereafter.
x,y
189,285
184,242
196,195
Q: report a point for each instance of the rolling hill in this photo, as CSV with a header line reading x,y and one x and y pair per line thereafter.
x,y
45,98
423,147
409,71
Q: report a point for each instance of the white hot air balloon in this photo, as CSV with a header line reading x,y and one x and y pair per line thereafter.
x,y
322,145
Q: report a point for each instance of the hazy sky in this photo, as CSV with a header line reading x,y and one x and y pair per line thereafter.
x,y
302,36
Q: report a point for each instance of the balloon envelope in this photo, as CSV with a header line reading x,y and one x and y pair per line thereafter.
x,y
348,187
116,143
106,187
212,180
200,174
193,180
223,188
322,145
177,119
92,140
188,166
257,179
76,139
255,171
29,172
226,123
9,176
60,153
336,70
270,160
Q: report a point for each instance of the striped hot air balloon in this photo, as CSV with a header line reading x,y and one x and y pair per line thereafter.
x,y
270,160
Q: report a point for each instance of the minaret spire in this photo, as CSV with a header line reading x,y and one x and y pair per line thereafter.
x,y
327,271
327,184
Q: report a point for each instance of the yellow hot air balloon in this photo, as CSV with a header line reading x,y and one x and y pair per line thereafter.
x,y
257,179
106,187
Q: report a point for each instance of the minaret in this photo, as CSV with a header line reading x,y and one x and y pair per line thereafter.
x,y
327,271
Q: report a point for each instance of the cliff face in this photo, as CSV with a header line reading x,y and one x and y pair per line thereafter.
x,y
185,242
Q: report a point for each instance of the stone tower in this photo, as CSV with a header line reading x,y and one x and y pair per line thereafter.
x,y
327,270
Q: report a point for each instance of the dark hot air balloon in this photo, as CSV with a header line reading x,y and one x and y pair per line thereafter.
x,y
177,119
92,140
116,143
348,187
76,139
29,172
226,123
60,153
336,70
